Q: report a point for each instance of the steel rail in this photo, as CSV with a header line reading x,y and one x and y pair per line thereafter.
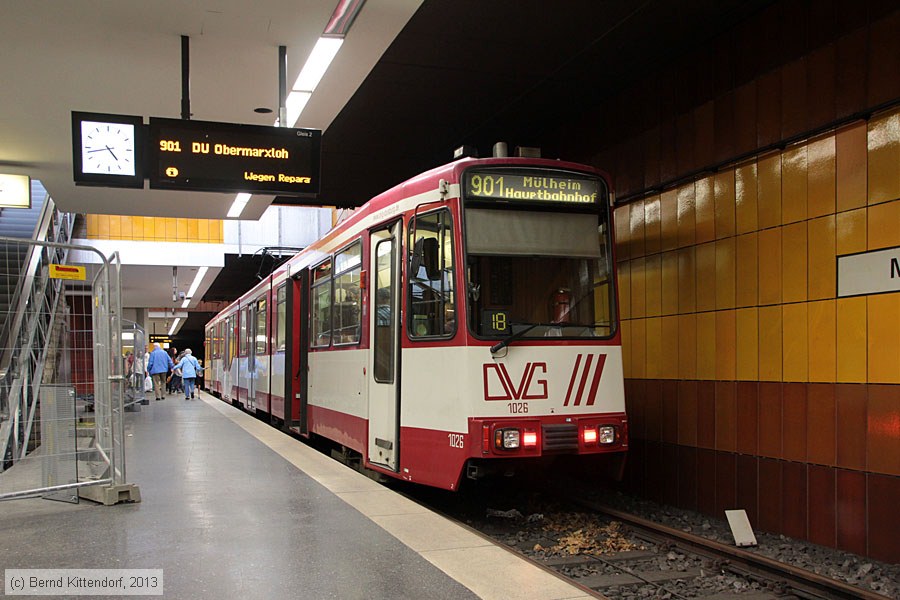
x,y
806,580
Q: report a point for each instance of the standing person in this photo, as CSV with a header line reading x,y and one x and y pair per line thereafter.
x,y
190,368
157,367
171,352
174,380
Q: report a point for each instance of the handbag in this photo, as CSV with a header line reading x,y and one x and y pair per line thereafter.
x,y
148,384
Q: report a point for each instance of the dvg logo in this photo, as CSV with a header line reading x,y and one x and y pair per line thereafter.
x,y
528,388
584,381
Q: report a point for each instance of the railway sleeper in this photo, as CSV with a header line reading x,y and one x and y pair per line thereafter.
x,y
583,559
604,581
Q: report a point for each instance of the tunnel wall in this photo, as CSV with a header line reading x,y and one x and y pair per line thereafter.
x,y
743,170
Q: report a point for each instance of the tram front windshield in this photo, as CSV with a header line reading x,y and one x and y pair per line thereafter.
x,y
539,272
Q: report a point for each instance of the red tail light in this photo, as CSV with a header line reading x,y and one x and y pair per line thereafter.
x,y
529,438
486,439
589,435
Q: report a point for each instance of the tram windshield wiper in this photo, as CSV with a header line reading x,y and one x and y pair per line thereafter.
x,y
530,326
507,341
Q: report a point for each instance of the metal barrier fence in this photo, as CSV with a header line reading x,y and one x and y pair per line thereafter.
x,y
62,376
134,346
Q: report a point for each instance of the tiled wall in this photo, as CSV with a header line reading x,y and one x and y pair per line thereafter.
x,y
787,69
154,229
749,383
744,261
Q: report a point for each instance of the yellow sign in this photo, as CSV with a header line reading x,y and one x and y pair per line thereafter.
x,y
67,272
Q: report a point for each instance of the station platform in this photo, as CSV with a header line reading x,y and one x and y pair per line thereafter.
x,y
232,508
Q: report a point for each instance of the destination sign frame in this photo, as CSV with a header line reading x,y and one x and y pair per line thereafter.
x,y
230,157
538,186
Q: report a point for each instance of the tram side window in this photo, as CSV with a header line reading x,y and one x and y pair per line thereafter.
x,y
432,306
280,316
384,333
320,326
261,336
347,267
232,339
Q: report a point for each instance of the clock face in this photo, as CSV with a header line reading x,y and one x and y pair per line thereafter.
x,y
107,148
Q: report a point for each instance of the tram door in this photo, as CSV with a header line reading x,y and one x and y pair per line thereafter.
x,y
227,358
384,325
252,363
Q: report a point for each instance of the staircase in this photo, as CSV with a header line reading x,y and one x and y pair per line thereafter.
x,y
29,310
17,223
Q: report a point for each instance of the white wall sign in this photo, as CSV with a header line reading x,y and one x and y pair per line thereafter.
x,y
15,191
167,313
873,272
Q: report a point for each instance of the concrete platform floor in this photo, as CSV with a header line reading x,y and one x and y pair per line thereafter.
x,y
232,508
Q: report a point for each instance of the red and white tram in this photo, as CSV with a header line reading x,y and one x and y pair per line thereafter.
x,y
462,323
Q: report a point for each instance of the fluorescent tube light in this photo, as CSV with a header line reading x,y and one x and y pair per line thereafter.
x,y
294,105
174,325
317,63
240,201
201,273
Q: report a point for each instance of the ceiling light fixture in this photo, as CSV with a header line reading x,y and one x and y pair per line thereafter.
x,y
201,273
317,63
311,74
294,105
174,325
343,17
240,201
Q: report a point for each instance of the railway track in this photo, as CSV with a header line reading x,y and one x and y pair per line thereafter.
x,y
779,579
616,555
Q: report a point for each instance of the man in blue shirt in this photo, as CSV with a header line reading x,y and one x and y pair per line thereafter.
x,y
157,367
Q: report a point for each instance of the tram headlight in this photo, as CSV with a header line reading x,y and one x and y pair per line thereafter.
x,y
507,439
607,434
598,434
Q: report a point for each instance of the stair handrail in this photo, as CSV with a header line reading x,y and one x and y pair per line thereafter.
x,y
34,288
57,229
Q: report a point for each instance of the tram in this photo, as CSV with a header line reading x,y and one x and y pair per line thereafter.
x,y
460,324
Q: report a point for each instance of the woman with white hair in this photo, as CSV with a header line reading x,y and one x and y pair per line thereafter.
x,y
190,368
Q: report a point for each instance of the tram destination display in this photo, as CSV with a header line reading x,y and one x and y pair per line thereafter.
x,y
228,157
545,186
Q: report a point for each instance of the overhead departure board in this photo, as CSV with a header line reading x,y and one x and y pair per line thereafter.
x,y
227,157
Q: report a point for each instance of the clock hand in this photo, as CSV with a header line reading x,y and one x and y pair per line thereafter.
x,y
113,153
97,150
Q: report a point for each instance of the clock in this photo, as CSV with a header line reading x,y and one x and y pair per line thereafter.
x,y
107,150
